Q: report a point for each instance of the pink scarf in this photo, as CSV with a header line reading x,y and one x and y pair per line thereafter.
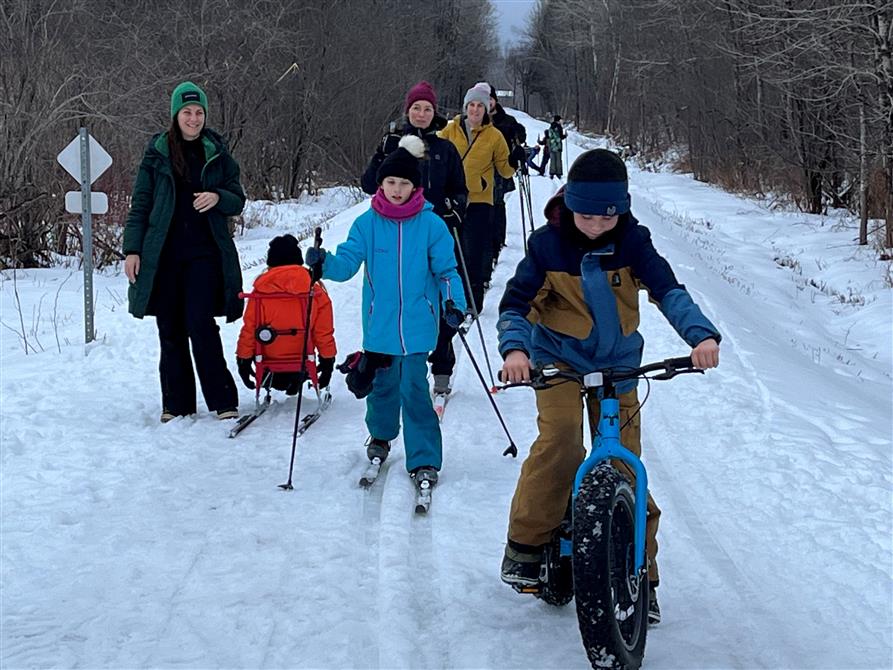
x,y
398,212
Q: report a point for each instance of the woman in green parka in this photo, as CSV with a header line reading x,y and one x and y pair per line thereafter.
x,y
180,258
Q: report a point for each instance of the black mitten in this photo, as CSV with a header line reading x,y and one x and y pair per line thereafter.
x,y
517,156
246,371
360,369
389,143
324,371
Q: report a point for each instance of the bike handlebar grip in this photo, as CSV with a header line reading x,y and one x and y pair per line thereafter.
x,y
682,362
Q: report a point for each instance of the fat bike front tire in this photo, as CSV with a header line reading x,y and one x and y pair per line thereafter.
x,y
612,602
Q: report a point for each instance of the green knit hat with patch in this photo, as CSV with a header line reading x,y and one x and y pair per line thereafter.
x,y
187,93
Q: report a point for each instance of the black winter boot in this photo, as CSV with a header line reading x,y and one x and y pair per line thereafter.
x,y
653,608
521,568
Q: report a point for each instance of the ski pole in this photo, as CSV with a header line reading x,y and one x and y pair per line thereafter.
x,y
474,309
525,195
530,206
565,156
523,220
315,272
511,449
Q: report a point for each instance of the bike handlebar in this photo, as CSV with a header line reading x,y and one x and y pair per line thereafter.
x,y
542,378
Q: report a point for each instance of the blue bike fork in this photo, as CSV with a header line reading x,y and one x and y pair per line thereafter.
x,y
606,445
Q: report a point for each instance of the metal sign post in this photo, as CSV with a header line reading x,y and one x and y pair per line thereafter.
x,y
87,222
84,159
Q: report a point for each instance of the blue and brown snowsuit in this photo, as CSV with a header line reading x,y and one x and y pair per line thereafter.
x,y
574,302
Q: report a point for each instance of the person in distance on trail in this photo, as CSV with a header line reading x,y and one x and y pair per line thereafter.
x,y
532,153
555,136
443,180
484,152
286,274
574,302
544,143
410,270
180,258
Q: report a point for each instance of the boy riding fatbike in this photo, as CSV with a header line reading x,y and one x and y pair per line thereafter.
x,y
573,303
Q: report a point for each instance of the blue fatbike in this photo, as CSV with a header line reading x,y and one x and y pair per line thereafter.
x,y
597,554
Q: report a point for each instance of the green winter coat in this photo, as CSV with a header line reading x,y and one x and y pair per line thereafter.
x,y
152,208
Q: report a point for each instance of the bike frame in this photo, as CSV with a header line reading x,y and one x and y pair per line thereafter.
x,y
605,446
606,443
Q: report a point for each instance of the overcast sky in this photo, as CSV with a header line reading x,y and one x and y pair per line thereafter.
x,y
511,16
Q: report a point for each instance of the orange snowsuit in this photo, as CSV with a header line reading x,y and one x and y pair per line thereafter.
x,y
280,314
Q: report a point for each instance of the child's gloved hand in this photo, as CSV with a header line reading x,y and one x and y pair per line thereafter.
x,y
315,256
324,371
246,371
360,368
452,315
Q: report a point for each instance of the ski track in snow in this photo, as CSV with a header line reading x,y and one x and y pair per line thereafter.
x,y
126,543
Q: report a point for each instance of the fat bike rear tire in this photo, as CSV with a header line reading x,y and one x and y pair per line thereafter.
x,y
612,602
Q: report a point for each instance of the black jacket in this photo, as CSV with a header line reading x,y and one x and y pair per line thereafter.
x,y
513,132
442,174
515,136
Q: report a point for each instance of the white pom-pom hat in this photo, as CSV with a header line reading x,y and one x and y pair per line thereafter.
x,y
403,162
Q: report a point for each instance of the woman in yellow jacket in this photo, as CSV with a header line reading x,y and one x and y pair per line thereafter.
x,y
484,151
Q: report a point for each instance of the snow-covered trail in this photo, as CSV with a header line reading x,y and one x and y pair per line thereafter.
x,y
126,543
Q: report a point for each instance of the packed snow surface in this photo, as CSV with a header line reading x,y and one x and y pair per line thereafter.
x,y
131,544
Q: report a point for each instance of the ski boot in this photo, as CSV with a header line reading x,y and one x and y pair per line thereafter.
x,y
377,451
425,479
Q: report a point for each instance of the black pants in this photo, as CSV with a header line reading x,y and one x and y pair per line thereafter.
x,y
443,358
477,245
184,298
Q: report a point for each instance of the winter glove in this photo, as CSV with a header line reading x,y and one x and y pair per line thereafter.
x,y
315,256
324,371
453,221
452,315
517,156
360,369
246,371
389,143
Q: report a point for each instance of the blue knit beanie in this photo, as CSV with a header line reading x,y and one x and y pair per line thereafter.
x,y
597,184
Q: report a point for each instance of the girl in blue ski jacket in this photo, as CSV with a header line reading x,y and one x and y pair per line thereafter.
x,y
410,270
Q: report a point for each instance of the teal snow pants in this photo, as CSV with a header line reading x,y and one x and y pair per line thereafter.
x,y
404,386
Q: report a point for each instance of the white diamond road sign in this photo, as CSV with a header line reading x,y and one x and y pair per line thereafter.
x,y
70,159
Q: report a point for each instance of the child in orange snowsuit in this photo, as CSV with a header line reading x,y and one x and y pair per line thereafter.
x,y
286,274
